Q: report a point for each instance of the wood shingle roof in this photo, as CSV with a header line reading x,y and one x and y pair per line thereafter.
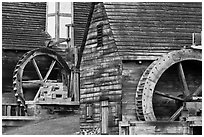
x,y
23,25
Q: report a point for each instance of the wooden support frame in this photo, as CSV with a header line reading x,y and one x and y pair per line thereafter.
x,y
153,127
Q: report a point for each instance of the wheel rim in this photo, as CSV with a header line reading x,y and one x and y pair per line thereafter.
x,y
150,93
37,68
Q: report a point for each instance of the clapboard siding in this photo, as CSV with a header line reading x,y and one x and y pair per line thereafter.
x,y
100,73
153,28
23,25
81,11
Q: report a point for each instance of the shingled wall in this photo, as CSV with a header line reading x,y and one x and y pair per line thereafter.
x,y
100,74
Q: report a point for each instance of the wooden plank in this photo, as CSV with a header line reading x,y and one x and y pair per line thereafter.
x,y
104,117
169,4
163,19
157,128
71,103
19,118
153,6
156,15
148,10
4,109
8,111
156,33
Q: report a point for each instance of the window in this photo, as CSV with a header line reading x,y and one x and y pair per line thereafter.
x,y
100,35
89,111
59,14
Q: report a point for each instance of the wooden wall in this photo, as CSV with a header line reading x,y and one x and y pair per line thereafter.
x,y
23,25
100,74
144,30
133,32
23,29
132,71
81,11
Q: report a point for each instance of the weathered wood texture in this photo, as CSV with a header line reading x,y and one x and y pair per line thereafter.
x,y
23,25
154,128
81,11
23,29
131,31
147,30
132,71
100,73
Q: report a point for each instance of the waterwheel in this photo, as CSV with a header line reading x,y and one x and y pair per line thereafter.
x,y
167,84
37,68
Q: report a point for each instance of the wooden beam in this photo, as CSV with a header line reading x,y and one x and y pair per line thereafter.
x,y
31,83
168,96
85,35
183,79
37,69
8,111
50,69
196,93
176,114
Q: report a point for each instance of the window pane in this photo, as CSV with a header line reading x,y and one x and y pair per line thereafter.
x,y
51,7
63,28
51,26
65,7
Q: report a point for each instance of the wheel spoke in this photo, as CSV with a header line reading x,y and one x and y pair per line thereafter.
x,y
37,69
50,69
31,83
196,93
183,79
168,96
176,114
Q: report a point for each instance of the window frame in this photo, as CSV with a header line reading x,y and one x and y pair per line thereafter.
x,y
57,16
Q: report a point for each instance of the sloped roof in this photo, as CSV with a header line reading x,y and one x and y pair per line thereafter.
x,y
23,25
146,30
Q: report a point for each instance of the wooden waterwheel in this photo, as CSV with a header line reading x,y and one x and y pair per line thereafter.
x,y
167,84
35,69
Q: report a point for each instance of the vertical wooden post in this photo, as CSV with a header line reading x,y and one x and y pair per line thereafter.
x,y
57,21
20,111
17,110
75,73
8,110
4,110
72,22
104,116
76,76
193,38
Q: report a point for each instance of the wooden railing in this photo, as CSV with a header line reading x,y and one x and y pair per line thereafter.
x,y
12,109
